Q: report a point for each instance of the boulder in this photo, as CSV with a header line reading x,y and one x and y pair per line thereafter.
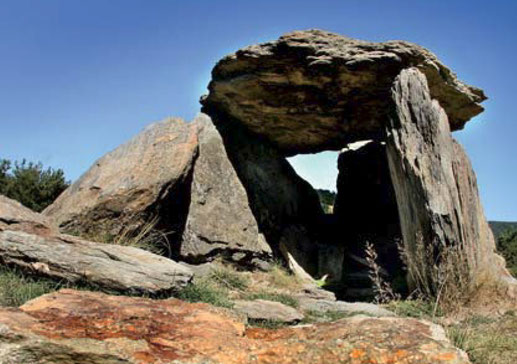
x,y
86,327
145,178
311,91
67,258
435,186
264,310
323,306
106,266
220,222
14,216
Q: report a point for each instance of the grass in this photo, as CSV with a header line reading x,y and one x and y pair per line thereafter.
x,y
273,296
487,341
418,308
205,291
230,279
148,237
281,278
17,288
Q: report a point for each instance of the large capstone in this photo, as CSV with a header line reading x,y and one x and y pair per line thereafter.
x,y
311,91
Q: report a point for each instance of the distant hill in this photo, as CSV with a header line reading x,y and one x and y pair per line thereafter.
x,y
499,227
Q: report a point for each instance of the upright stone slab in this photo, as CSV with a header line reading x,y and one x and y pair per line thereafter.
x,y
283,203
220,222
434,183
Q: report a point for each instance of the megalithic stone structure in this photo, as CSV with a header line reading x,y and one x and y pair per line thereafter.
x,y
434,183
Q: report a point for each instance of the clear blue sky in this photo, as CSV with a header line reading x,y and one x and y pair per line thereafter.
x,y
79,77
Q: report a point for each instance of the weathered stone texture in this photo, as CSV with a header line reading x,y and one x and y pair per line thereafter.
x,y
63,257
145,177
85,327
434,183
281,201
263,310
14,216
313,90
220,222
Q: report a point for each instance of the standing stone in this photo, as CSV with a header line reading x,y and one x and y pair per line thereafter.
x,y
434,183
220,222
144,178
283,203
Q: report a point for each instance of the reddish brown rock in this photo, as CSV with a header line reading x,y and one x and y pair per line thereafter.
x,y
85,327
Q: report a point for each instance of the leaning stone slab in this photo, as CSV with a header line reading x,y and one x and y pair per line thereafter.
x,y
220,222
264,310
85,327
146,177
436,188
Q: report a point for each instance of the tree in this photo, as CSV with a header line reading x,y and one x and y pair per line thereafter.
x,y
5,165
30,184
507,246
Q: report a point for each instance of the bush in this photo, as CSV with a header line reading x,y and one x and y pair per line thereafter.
x,y
507,246
31,184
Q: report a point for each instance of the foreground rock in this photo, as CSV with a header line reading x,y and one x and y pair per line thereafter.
x,y
322,306
85,327
313,90
263,310
145,178
63,257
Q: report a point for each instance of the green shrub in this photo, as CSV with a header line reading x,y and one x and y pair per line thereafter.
x,y
31,184
507,246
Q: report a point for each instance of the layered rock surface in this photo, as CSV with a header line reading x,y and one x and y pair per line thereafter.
x,y
85,327
313,90
435,186
220,221
69,259
144,178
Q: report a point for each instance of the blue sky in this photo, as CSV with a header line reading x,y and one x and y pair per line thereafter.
x,y
80,77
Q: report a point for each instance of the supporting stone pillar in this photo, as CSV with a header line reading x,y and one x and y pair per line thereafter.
x,y
435,186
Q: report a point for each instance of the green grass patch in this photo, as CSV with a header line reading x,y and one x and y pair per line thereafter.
x,y
207,292
16,288
276,297
229,279
415,308
486,340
